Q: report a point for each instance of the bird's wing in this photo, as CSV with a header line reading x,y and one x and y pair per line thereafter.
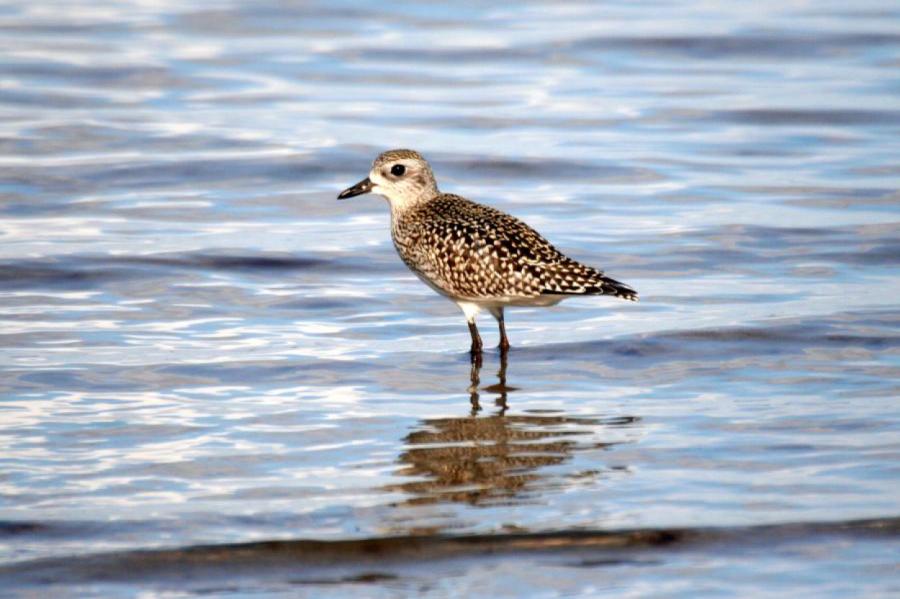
x,y
480,251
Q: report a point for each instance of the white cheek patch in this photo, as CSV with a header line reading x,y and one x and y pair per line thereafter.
x,y
380,185
394,191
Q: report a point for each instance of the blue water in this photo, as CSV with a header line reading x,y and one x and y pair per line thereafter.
x,y
200,346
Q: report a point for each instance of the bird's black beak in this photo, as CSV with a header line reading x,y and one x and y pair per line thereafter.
x,y
364,186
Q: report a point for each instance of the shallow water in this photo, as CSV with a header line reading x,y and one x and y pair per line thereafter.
x,y
201,347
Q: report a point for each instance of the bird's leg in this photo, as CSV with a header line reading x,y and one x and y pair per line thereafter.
x,y
504,341
476,343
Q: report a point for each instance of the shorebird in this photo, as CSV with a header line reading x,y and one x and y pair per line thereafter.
x,y
475,255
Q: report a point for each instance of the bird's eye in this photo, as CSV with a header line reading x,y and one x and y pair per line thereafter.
x,y
397,170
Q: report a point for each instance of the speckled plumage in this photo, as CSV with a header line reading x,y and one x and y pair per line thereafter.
x,y
475,252
476,255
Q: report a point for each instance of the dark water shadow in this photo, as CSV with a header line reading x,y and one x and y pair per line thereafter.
x,y
205,568
862,329
89,271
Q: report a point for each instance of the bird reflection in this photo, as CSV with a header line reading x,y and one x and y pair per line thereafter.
x,y
501,388
493,458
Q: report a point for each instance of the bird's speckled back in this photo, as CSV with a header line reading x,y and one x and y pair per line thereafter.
x,y
471,251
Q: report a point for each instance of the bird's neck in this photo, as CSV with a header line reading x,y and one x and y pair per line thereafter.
x,y
402,205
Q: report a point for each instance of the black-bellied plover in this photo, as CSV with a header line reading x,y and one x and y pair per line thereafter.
x,y
475,255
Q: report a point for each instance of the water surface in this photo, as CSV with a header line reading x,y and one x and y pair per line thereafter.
x,y
200,348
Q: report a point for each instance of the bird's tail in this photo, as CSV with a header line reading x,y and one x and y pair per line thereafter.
x,y
607,286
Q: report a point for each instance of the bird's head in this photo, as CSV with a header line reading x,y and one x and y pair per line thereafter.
x,y
404,177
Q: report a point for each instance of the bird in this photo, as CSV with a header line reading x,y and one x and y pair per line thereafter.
x,y
475,255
